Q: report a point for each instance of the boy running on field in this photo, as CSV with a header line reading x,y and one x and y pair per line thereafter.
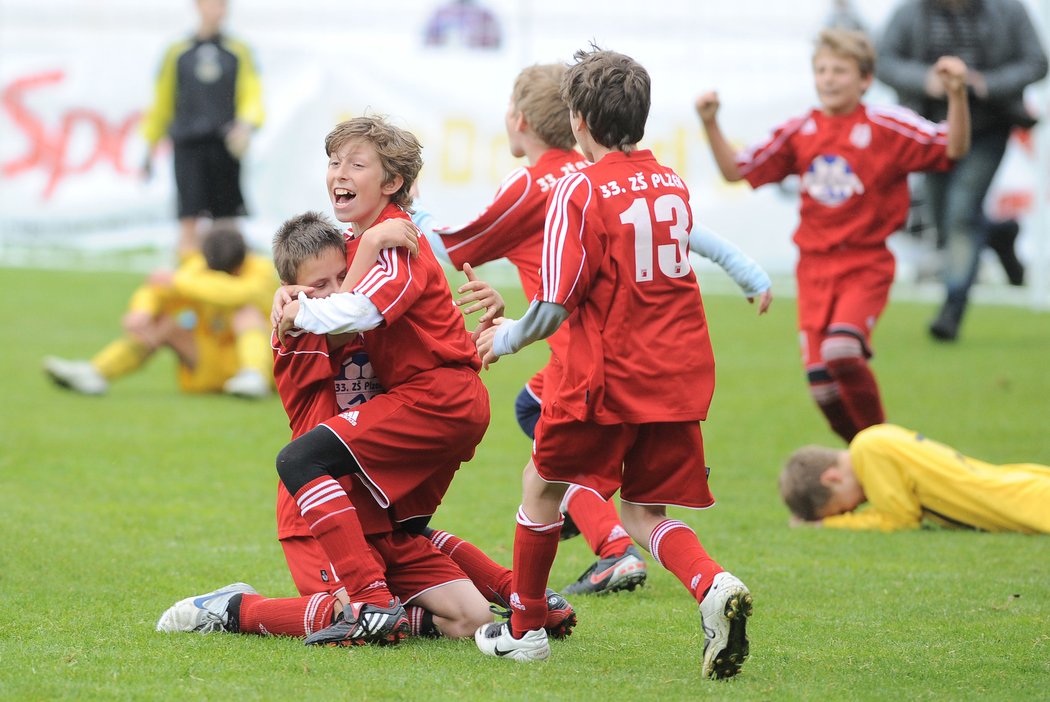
x,y
511,227
615,265
854,160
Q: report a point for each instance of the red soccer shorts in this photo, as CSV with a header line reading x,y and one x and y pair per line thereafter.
x,y
841,291
411,440
411,563
651,464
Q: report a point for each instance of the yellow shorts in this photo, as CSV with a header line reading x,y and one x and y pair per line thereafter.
x,y
216,363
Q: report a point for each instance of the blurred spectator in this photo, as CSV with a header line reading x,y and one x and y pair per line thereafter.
x,y
463,23
208,101
997,41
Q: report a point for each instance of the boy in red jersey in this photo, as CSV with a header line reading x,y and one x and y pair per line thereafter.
x,y
317,376
511,227
853,160
405,444
615,265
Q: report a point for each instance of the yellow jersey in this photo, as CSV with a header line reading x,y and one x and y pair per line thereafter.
x,y
907,478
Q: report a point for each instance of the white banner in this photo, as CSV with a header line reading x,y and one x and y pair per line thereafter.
x,y
75,77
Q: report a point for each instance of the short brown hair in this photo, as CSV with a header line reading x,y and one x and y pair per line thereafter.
x,y
224,248
800,484
611,92
301,238
849,43
537,95
399,151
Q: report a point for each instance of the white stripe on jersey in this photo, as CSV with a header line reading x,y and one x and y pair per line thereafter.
x,y
555,233
385,270
512,179
904,121
746,161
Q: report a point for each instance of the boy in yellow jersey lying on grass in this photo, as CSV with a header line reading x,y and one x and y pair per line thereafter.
x,y
907,478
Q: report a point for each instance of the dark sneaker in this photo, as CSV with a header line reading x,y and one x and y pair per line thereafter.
x,y
568,529
362,623
723,616
1001,239
561,617
611,574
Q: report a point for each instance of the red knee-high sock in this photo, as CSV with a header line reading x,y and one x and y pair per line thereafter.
x,y
285,616
489,577
333,521
421,622
859,391
675,547
826,393
535,546
599,523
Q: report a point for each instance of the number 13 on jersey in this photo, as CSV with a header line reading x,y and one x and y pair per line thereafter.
x,y
668,220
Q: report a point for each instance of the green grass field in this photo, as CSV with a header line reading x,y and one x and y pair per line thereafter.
x,y
115,507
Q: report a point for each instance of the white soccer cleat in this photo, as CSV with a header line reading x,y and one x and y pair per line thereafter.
x,y
204,613
247,383
723,615
495,639
78,376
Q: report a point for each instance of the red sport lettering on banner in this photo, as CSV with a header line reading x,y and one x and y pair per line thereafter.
x,y
51,149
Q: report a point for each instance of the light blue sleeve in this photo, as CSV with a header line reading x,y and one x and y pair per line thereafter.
x,y
751,277
428,224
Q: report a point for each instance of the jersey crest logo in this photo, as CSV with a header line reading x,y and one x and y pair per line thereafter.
x,y
356,382
860,136
830,181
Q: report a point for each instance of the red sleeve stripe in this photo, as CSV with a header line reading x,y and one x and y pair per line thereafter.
x,y
905,122
385,271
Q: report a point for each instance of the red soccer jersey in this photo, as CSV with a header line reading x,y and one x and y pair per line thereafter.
x,y
316,384
854,171
423,329
512,226
615,254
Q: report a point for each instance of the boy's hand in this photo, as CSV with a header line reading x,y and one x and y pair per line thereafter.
x,y
483,342
765,299
707,106
952,73
483,297
237,139
285,295
287,322
394,233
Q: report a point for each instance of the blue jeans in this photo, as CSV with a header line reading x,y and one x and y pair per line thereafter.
x,y
957,202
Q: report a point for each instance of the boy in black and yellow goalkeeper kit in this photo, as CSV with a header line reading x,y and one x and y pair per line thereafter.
x,y
907,478
212,312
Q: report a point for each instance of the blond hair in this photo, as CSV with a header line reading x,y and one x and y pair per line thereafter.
x,y
851,44
537,95
301,238
399,151
800,486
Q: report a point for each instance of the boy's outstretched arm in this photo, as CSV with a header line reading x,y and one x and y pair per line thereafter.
x,y
480,296
511,335
751,277
707,109
952,72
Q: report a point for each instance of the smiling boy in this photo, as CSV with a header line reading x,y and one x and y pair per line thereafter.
x,y
405,444
853,160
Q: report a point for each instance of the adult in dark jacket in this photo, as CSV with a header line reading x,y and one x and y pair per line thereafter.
x,y
1001,48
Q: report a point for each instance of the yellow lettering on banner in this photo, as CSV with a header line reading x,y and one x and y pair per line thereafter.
x,y
458,150
672,152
